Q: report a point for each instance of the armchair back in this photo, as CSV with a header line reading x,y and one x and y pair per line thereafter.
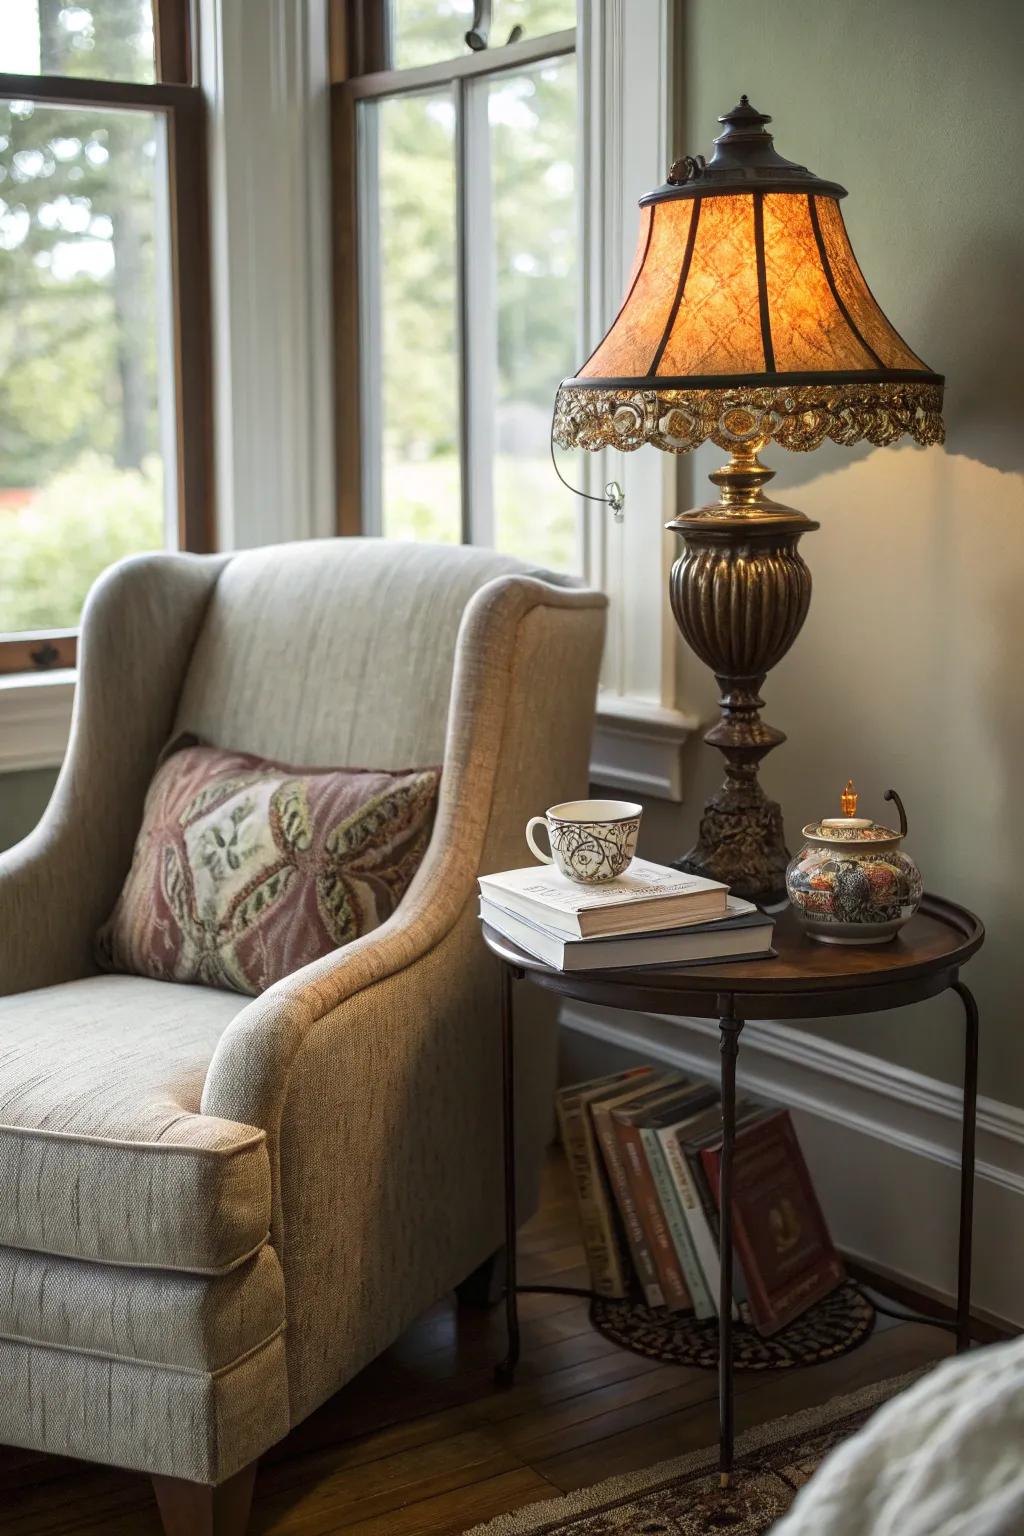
x,y
334,653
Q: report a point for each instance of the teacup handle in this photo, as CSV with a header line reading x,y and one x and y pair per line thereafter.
x,y
538,821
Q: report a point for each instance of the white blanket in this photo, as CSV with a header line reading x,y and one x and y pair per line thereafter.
x,y
945,1458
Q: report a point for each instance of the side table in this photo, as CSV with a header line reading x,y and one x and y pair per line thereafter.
x,y
806,980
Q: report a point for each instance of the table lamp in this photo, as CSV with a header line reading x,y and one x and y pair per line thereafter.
x,y
746,321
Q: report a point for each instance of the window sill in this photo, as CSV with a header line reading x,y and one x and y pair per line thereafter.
x,y
35,718
638,747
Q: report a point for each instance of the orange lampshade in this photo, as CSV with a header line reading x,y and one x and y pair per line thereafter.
x,y
747,317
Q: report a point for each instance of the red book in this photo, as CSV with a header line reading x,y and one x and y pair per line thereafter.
x,y
779,1232
648,1209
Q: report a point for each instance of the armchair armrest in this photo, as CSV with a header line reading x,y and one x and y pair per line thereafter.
x,y
59,884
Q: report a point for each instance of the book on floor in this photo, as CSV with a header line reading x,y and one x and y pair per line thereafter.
x,y
674,1112
644,1148
682,1146
742,932
630,1122
646,899
602,1234
779,1231
604,1129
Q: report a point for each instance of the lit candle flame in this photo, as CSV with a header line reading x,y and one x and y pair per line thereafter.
x,y
848,800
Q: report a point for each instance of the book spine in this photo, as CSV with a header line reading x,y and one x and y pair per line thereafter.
x,y
652,1220
642,1261
606,1206
668,1198
604,1259
704,1240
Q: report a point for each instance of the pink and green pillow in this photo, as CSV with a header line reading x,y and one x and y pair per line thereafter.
x,y
245,870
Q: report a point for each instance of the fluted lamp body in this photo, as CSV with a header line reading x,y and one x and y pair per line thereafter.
x,y
746,321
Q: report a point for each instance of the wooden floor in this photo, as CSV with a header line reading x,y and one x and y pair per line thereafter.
x,y
423,1443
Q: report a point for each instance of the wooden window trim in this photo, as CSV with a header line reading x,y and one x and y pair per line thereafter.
x,y
359,54
174,36
177,96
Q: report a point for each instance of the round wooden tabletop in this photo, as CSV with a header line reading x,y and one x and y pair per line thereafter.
x,y
805,978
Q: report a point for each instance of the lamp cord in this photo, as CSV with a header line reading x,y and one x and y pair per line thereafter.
x,y
613,497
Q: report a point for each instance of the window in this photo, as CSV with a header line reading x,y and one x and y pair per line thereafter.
x,y
459,298
104,369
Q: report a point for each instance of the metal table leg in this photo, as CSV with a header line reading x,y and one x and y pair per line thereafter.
x,y
729,1028
505,1372
963,1280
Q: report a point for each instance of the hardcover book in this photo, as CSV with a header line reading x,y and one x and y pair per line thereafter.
x,y
779,1231
646,899
642,1172
636,1238
602,1236
675,1111
742,933
680,1144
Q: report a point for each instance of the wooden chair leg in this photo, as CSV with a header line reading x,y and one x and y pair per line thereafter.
x,y
485,1287
194,1509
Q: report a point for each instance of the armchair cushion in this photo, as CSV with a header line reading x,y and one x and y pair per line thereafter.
x,y
245,870
104,1154
186,1322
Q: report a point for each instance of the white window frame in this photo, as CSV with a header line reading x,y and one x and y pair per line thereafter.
x,y
627,58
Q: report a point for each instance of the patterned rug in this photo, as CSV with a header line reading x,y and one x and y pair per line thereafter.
x,y
682,1497
833,1326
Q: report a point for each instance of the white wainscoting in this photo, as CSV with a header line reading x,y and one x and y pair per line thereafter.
x,y
882,1142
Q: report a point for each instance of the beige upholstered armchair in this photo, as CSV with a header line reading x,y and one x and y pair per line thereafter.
x,y
215,1210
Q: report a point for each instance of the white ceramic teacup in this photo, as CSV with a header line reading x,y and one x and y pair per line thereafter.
x,y
591,840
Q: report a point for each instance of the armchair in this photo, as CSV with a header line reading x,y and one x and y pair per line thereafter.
x,y
215,1210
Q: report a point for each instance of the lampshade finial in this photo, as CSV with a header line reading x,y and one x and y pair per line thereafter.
x,y
744,116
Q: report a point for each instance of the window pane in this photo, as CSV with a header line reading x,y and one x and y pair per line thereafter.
x,y
424,31
532,119
536,17
85,399
101,39
409,342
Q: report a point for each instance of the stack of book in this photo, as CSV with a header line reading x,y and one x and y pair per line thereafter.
x,y
644,1147
651,915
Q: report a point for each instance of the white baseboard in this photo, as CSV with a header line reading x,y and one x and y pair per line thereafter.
x,y
883,1144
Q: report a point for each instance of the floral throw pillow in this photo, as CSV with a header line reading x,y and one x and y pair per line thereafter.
x,y
245,870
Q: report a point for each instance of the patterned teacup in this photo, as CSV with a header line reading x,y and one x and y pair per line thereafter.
x,y
591,840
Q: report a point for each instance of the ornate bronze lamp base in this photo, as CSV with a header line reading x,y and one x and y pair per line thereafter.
x,y
740,591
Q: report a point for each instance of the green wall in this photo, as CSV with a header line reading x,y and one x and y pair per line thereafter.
x,y
23,798
908,669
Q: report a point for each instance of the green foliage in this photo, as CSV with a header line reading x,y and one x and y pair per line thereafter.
x,y
428,30
78,359
529,255
52,550
534,518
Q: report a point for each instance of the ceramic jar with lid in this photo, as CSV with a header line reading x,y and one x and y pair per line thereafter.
x,y
851,882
